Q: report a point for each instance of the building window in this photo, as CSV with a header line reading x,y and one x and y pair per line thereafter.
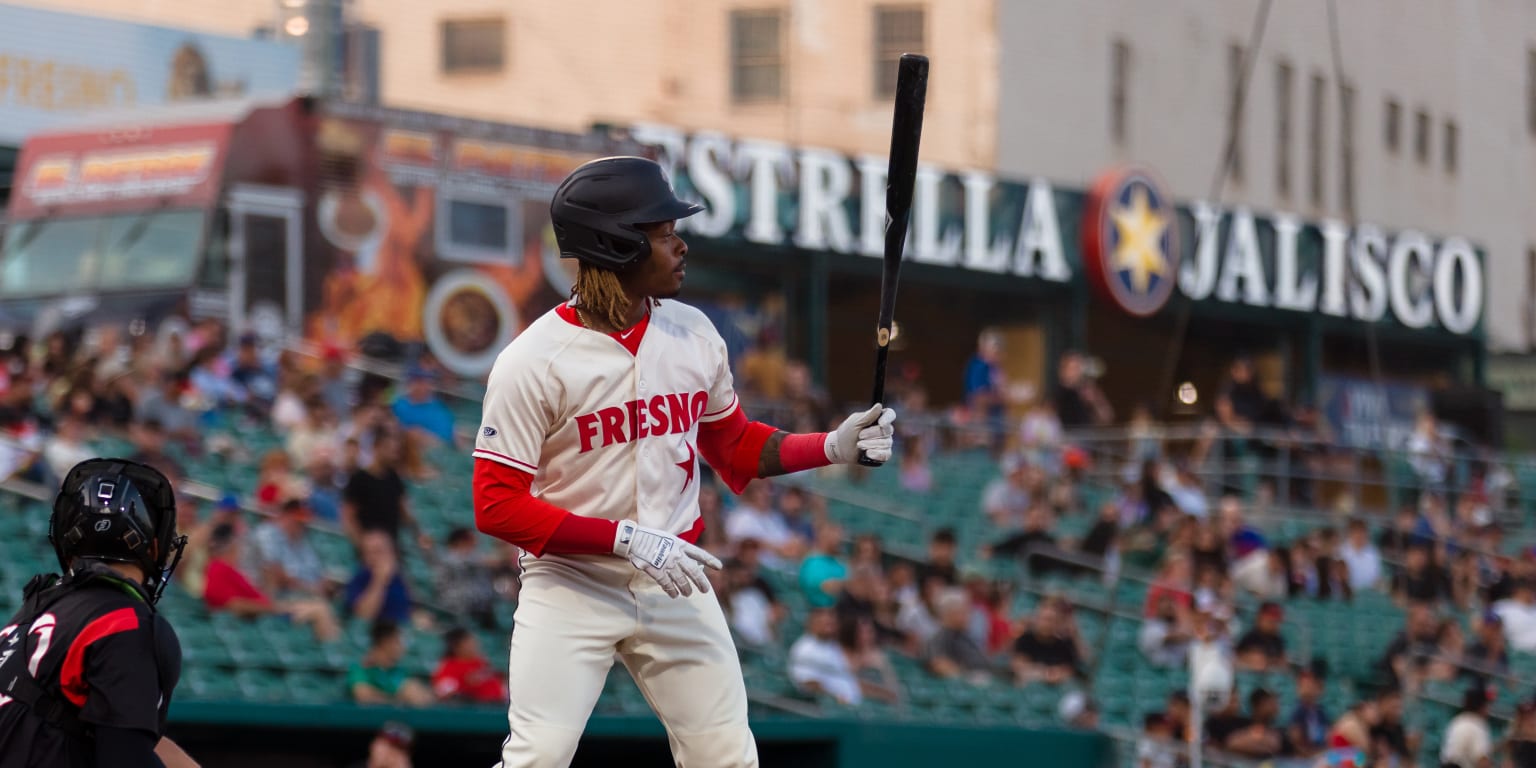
x,y
1119,85
473,45
1317,100
1421,136
1530,90
1394,121
757,56
1450,146
1283,79
1234,111
1347,147
898,30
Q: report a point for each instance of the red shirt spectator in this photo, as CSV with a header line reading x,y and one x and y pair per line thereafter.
x,y
464,674
224,584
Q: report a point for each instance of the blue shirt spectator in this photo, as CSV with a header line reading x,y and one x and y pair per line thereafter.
x,y
421,409
376,590
821,573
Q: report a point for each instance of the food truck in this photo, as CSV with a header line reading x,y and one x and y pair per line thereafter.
x,y
300,220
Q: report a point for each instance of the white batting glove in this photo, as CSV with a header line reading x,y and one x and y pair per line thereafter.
x,y
868,431
675,564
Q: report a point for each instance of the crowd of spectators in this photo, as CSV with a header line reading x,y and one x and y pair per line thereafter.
x,y
848,612
350,446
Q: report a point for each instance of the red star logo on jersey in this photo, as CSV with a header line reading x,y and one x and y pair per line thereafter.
x,y
686,465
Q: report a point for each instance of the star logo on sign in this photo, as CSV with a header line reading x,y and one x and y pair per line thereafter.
x,y
1140,250
686,465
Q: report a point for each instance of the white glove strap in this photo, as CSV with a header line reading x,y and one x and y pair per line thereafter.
x,y
637,543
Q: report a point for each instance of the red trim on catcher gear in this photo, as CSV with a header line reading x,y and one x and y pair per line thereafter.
x,y
629,340
733,446
72,674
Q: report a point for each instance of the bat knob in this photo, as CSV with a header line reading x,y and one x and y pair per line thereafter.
x,y
865,460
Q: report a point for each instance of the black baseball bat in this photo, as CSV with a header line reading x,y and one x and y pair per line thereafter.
x,y
906,133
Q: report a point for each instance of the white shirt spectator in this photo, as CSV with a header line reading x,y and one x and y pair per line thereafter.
x,y
822,662
1364,565
766,526
752,616
1467,741
1519,624
62,454
1152,640
1005,503
1157,753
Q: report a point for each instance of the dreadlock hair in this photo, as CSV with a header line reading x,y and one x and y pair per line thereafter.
x,y
601,294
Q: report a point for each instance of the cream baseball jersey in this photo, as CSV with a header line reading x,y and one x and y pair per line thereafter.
x,y
604,432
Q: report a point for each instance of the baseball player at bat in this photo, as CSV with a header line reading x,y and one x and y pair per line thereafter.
x,y
595,419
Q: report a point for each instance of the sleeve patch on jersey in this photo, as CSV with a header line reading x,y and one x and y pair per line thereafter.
x,y
488,431
72,673
502,458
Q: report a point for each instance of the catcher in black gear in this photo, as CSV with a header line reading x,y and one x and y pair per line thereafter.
x,y
87,666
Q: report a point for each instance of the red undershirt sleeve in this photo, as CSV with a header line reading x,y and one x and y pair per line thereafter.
x,y
507,509
733,447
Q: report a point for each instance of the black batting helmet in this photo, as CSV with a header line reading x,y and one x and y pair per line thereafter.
x,y
598,210
119,511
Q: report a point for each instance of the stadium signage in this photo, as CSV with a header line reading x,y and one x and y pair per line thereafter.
x,y
773,194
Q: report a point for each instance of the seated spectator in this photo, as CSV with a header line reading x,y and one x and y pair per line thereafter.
x,y
1422,579
283,557
940,563
1165,636
255,377
1173,582
750,603
915,476
1033,543
379,678
822,574
1186,491
1307,728
1362,557
990,615
755,518
390,748
290,410
797,509
1157,747
1263,648
164,405
1489,654
314,437
420,410
1384,718
1450,646
464,674
1007,498
877,677
226,588
1254,736
1046,651
1518,614
149,438
1522,735
377,590
274,478
1213,593
464,582
951,651
335,388
817,664
867,597
1468,742
1077,710
1410,651
66,447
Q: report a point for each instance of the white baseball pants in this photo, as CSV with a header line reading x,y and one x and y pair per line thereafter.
x,y
573,614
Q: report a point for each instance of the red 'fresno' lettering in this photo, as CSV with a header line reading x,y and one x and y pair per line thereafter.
x,y
660,415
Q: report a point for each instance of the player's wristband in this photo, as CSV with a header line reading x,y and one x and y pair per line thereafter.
x,y
803,451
